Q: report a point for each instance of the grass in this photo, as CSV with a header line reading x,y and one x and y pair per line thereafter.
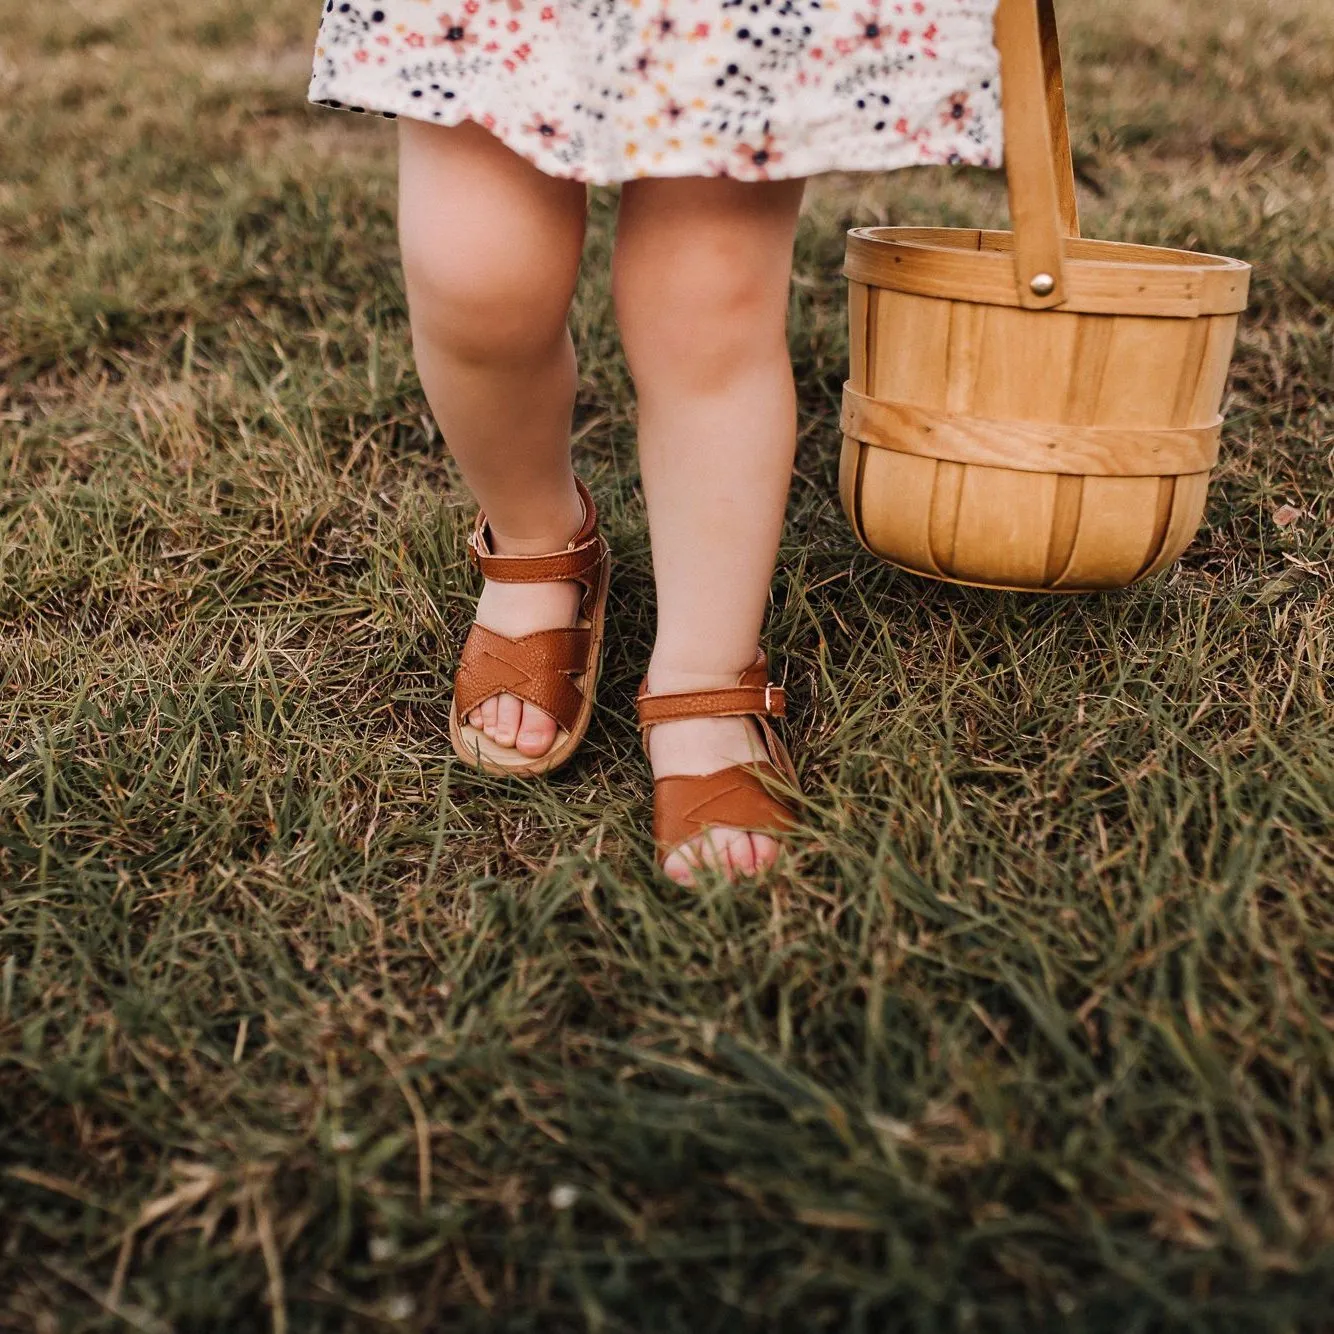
x,y
304,1029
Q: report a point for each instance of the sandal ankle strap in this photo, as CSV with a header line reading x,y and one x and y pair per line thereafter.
x,y
753,694
768,701
579,561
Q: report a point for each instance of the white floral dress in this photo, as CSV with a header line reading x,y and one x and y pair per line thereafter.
x,y
609,90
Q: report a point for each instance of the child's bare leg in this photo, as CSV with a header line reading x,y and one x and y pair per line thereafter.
x,y
491,249
701,278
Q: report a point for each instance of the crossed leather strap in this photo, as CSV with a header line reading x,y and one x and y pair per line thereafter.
x,y
538,667
738,797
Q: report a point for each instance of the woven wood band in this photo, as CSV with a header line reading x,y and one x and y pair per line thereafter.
x,y
1086,451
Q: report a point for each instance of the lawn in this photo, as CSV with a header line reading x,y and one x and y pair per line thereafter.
x,y
304,1028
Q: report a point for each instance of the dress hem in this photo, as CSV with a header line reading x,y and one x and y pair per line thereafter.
x,y
909,154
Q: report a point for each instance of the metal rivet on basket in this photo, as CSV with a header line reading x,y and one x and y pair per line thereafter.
x,y
1043,284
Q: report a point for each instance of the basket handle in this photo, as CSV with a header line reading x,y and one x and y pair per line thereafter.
x,y
1039,167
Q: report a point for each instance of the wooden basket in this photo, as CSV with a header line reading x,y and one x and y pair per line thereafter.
x,y
1028,409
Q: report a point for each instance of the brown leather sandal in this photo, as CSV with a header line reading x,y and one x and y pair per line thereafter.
x,y
737,797
556,670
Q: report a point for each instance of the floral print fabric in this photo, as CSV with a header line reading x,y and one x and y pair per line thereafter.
x,y
608,90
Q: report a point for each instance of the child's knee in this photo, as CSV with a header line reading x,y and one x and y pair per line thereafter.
x,y
701,318
482,305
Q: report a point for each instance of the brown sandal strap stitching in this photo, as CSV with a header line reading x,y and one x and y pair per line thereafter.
x,y
537,668
581,562
686,805
520,567
720,702
578,563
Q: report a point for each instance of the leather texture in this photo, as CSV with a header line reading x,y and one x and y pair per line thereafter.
x,y
535,667
579,561
721,703
540,667
737,797
685,805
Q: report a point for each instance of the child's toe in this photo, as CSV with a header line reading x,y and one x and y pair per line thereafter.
x,y
734,852
764,852
740,853
508,710
682,864
537,730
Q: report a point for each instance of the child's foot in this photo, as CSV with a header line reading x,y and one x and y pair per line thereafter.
x,y
702,746
519,609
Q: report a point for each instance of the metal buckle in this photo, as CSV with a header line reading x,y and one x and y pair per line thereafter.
x,y
768,697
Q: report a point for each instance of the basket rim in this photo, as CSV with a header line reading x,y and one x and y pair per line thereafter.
x,y
977,265
1142,256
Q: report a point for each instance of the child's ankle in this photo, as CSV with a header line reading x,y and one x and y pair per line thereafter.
x,y
666,678
551,533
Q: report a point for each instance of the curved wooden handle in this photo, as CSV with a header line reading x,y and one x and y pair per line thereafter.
x,y
1039,167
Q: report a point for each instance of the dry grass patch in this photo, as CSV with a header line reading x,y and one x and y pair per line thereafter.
x,y
301,1028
